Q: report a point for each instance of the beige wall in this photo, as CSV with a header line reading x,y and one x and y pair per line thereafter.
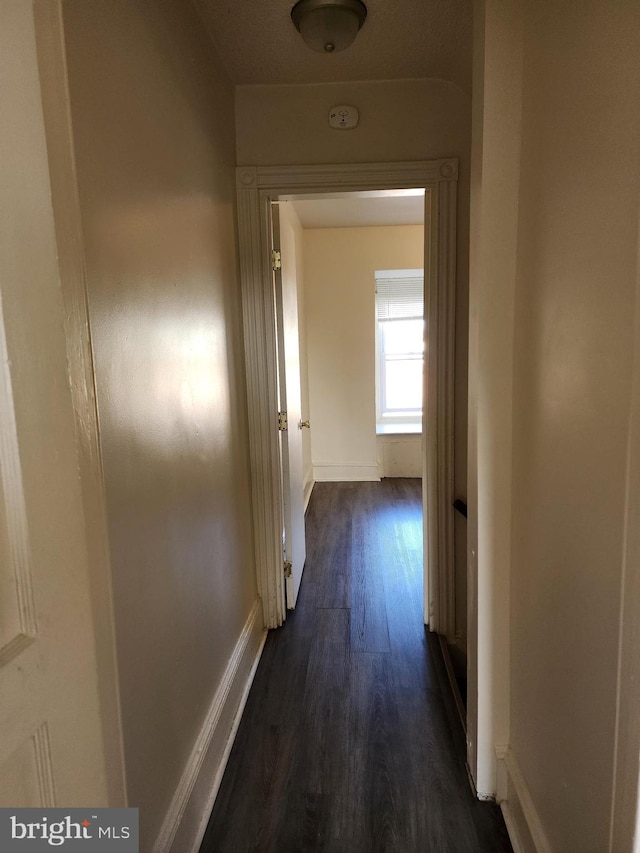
x,y
153,120
339,275
575,301
399,120
575,274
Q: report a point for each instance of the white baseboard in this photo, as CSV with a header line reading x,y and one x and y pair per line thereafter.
x,y
308,488
346,473
188,814
520,815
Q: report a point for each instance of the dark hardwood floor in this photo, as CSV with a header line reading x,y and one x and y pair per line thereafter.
x,y
349,741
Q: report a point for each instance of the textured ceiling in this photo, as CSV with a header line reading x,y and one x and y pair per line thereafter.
x,y
400,39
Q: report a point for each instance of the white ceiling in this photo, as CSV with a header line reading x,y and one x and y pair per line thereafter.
x,y
366,209
400,39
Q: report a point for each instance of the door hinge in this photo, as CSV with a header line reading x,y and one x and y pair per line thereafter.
x,y
276,260
283,421
287,568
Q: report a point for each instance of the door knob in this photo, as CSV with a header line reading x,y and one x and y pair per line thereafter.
x,y
304,424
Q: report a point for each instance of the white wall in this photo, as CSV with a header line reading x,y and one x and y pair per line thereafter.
x,y
494,205
339,275
400,455
60,736
571,181
575,306
153,121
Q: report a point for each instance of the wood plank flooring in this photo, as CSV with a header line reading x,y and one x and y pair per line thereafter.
x,y
349,741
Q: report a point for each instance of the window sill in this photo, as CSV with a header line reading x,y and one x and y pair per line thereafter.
x,y
398,429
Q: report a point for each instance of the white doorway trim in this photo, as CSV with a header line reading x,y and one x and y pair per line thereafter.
x,y
257,187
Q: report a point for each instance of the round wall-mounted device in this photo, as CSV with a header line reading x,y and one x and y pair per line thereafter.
x,y
343,117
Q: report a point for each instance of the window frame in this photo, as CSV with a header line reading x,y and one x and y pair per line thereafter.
x,y
385,417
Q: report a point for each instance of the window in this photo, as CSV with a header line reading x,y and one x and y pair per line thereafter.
x,y
399,346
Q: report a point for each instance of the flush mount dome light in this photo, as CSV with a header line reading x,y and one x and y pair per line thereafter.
x,y
328,25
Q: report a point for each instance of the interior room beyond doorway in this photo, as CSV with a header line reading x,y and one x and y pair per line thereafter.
x,y
341,242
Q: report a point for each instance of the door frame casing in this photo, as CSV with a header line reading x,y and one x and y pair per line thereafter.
x,y
257,187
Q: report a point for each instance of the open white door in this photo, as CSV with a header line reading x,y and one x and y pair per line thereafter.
x,y
51,746
286,292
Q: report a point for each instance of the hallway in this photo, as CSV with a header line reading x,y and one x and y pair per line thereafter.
x,y
349,743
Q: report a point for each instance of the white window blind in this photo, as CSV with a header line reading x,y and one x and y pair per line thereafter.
x,y
399,294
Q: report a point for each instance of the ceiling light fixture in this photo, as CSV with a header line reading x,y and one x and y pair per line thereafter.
x,y
328,25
